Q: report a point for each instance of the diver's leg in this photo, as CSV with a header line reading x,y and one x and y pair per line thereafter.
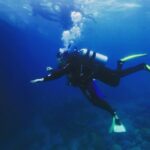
x,y
93,94
132,70
107,75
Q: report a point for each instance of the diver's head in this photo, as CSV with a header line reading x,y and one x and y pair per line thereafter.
x,y
61,55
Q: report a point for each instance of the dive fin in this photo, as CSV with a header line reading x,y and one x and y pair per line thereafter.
x,y
132,57
147,67
117,126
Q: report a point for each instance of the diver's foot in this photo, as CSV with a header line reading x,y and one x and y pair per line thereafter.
x,y
127,58
117,121
147,67
119,64
117,126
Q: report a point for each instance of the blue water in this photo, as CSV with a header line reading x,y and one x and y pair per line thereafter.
x,y
53,115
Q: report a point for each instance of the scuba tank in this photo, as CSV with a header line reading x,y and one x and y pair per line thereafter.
x,y
94,56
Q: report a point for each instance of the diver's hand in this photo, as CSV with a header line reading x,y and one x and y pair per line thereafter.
x,y
49,69
37,80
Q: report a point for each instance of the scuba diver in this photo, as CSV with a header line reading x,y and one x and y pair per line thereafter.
x,y
83,67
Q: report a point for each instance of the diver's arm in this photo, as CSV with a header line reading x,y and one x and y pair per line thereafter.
x,y
48,69
55,74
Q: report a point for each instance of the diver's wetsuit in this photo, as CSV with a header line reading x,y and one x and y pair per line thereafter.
x,y
81,73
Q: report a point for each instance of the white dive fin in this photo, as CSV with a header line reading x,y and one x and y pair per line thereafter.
x,y
117,126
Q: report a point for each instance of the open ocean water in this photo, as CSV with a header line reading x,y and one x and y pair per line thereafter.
x,y
53,115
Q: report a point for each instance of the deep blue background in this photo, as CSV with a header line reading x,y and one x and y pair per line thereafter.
x,y
55,116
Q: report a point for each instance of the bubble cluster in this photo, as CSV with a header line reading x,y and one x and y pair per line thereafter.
x,y
74,33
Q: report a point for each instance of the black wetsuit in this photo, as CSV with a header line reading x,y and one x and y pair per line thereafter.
x,y
82,71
